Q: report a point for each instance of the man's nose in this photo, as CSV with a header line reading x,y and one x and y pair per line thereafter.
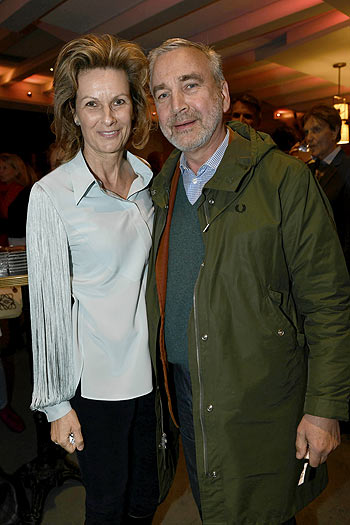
x,y
178,102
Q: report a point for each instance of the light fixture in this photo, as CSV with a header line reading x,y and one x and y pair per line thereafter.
x,y
29,93
341,105
283,113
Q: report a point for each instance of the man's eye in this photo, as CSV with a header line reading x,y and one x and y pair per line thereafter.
x,y
191,85
162,96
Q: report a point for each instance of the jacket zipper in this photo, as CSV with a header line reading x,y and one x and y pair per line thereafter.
x,y
204,437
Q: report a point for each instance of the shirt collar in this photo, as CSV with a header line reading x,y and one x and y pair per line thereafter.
x,y
213,162
83,180
329,159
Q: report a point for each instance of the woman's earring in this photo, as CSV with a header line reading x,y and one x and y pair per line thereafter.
x,y
76,122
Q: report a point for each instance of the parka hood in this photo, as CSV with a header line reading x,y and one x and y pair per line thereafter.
x,y
246,149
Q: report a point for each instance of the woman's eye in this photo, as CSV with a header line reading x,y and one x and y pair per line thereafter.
x,y
91,104
119,102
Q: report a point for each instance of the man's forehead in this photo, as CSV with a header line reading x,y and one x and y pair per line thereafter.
x,y
313,122
242,106
181,62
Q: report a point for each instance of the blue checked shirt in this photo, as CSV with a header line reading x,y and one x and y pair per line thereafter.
x,y
193,183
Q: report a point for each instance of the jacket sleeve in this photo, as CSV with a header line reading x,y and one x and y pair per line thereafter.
x,y
50,306
320,285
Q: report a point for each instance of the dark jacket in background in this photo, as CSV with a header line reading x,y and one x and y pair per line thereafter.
x,y
335,182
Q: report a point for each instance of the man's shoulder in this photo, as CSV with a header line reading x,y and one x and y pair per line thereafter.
x,y
342,160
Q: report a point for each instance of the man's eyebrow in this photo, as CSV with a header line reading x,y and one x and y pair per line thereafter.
x,y
158,88
182,78
191,76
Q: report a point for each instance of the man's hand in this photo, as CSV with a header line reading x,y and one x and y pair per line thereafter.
x,y
319,436
61,428
305,156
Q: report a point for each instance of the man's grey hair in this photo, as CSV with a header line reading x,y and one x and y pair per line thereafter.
x,y
171,44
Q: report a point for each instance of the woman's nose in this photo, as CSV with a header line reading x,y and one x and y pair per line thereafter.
x,y
108,116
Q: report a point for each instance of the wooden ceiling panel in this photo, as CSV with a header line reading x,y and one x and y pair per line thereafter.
x,y
281,50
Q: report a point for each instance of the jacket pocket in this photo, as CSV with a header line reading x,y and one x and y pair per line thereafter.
x,y
281,323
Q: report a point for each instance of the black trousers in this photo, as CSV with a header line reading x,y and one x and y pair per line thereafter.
x,y
118,463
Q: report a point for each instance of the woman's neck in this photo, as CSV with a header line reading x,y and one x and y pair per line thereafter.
x,y
114,172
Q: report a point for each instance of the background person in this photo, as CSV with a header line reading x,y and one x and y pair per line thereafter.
x,y
247,109
16,180
89,235
322,125
249,302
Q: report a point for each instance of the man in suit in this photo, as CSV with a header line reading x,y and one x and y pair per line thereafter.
x,y
322,126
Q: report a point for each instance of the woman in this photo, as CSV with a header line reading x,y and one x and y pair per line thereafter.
x,y
16,180
89,235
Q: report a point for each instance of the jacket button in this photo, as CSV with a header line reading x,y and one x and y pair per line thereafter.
x,y
204,337
213,475
280,332
211,201
153,192
202,265
209,408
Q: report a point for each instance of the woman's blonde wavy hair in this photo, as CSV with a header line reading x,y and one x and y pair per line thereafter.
x,y
23,173
91,52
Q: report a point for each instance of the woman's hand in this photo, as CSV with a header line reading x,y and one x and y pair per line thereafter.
x,y
66,428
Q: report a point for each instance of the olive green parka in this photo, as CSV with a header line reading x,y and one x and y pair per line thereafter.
x,y
269,331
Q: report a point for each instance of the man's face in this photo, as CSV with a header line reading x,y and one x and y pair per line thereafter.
x,y
244,113
320,138
189,103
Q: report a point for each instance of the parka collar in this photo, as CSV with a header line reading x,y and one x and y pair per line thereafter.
x,y
244,152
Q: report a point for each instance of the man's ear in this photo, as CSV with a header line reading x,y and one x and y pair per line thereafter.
x,y
225,93
335,133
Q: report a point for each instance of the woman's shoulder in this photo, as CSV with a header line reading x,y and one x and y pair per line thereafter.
x,y
60,179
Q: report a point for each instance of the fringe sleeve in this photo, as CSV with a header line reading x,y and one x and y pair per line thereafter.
x,y
50,302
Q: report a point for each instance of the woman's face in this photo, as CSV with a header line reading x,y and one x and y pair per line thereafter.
x,y
104,111
7,172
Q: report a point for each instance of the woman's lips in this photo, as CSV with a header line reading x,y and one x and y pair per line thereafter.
x,y
109,134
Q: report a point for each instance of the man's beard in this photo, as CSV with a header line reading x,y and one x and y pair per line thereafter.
x,y
183,141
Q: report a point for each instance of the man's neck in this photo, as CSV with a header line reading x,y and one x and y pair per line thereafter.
x,y
195,159
331,155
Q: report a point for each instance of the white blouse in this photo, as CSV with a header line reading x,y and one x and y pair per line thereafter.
x,y
87,255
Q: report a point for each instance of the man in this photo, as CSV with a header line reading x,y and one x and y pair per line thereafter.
x,y
322,125
246,108
249,302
